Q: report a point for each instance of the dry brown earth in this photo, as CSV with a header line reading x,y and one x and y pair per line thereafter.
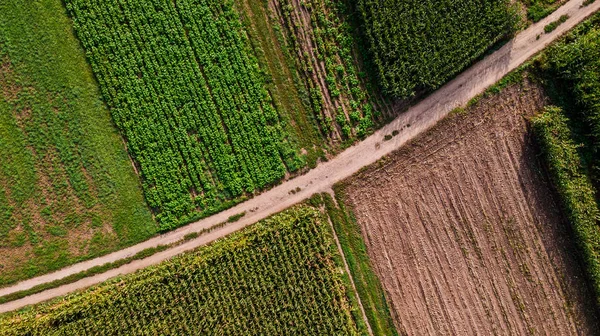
x,y
465,232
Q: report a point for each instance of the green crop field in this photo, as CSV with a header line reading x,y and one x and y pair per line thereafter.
x,y
320,36
419,45
279,277
186,91
68,190
575,64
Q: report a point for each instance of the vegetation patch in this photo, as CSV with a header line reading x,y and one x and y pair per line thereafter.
x,y
321,37
539,9
570,134
68,191
419,45
281,76
574,186
574,66
236,217
550,27
185,89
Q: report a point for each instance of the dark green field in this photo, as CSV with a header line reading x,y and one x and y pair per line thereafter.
x,y
419,45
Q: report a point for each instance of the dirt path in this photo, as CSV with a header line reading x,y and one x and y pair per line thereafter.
x,y
411,123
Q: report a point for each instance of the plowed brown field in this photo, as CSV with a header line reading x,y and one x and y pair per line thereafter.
x,y
465,232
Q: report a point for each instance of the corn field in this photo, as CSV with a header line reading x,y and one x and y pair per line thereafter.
x,y
278,277
187,94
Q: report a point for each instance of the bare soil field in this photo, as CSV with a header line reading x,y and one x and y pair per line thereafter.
x,y
465,232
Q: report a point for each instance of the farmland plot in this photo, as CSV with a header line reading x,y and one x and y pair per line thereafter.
x,y
187,94
67,188
419,45
281,276
321,38
465,231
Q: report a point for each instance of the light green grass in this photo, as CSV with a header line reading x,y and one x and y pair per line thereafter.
x,y
67,188
367,284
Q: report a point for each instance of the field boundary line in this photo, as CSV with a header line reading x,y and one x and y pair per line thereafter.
x,y
340,250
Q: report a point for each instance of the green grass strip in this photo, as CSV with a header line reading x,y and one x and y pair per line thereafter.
x,y
367,284
554,24
573,185
78,276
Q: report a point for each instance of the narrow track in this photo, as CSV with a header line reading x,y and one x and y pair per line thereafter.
x,y
416,120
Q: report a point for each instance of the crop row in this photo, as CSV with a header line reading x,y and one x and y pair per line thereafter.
x,y
278,277
419,45
186,92
324,45
570,135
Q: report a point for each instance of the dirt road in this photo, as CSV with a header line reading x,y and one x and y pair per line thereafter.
x,y
411,123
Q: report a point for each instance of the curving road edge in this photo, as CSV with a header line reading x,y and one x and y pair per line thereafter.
x,y
416,120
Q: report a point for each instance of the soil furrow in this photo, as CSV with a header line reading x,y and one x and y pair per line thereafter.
x,y
468,241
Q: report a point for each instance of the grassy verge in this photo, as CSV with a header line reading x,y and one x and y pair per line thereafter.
x,y
318,201
367,284
108,266
550,27
573,185
78,276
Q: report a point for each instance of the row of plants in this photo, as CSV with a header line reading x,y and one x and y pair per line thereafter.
x,y
185,89
574,64
323,42
570,134
419,45
278,277
282,79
